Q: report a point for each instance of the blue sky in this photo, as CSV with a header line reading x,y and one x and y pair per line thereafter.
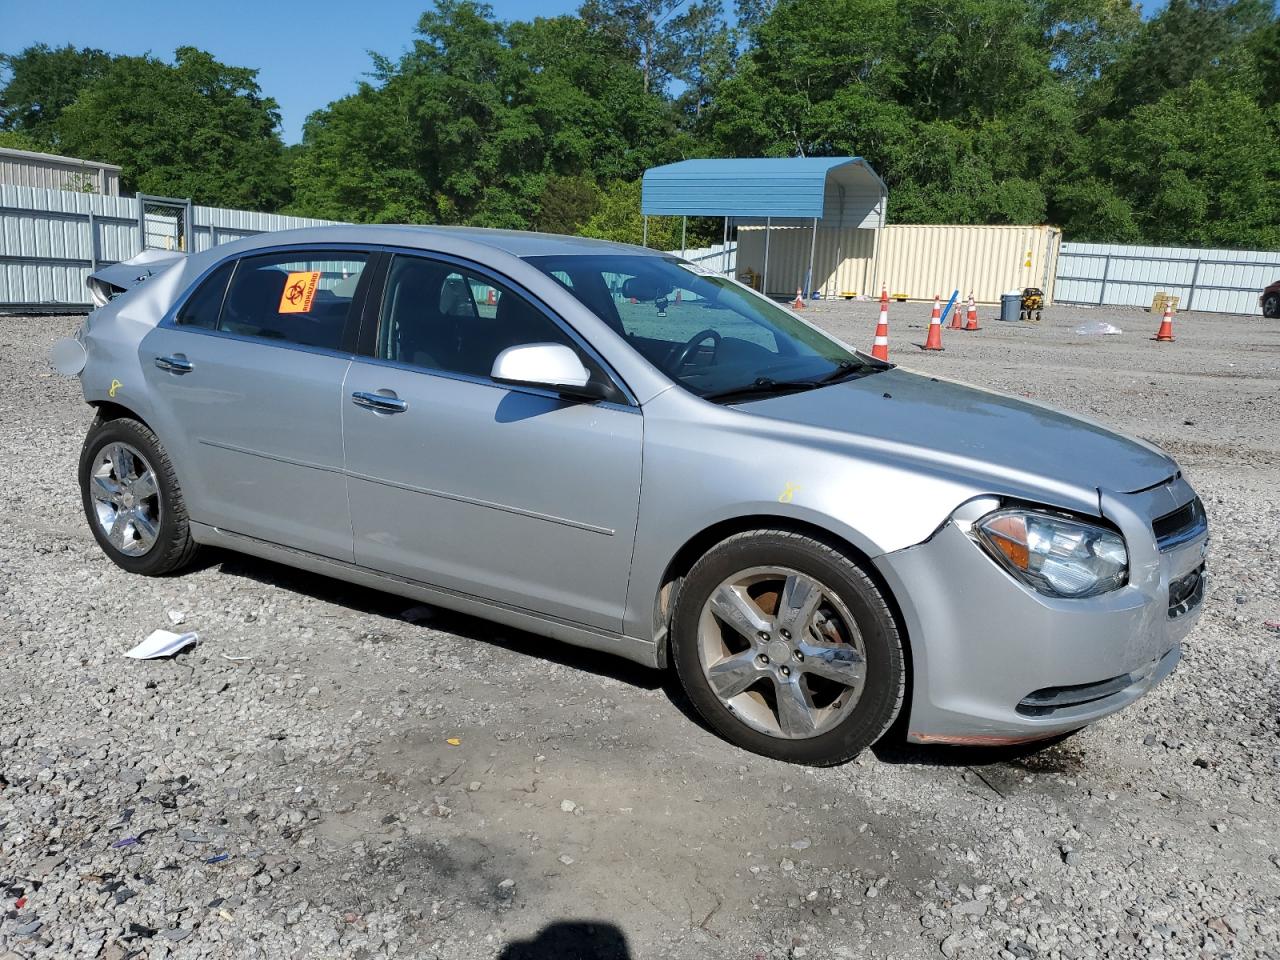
x,y
307,54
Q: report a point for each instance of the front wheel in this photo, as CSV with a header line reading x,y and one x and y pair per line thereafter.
x,y
1271,306
132,500
787,648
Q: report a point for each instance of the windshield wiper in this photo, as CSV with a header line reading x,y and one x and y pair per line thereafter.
x,y
767,386
760,387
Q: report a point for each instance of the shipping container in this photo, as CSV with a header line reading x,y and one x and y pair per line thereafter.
x,y
910,261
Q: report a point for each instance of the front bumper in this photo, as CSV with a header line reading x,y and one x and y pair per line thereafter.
x,y
993,661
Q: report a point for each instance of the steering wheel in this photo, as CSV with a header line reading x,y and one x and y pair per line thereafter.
x,y
685,353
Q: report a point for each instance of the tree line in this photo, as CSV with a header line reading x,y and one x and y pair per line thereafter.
x,y
1079,113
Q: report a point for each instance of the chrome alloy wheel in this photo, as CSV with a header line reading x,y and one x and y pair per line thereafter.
x,y
126,498
782,652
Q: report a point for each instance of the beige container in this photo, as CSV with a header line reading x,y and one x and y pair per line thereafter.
x,y
916,262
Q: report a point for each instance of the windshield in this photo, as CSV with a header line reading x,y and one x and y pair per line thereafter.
x,y
704,331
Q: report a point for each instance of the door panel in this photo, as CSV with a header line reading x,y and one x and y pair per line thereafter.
x,y
262,428
248,374
510,495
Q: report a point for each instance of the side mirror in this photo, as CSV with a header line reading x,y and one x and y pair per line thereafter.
x,y
550,365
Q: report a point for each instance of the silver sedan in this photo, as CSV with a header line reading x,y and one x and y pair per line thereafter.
x,y
615,448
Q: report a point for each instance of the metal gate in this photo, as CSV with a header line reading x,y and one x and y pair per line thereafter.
x,y
164,223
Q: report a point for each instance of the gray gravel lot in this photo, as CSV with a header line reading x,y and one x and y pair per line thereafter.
x,y
321,777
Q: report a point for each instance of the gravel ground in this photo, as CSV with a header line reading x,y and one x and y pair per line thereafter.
x,y
322,777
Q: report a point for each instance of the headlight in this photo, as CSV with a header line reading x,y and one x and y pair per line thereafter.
x,y
1057,556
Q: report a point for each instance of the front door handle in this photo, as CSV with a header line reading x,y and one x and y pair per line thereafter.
x,y
175,364
378,402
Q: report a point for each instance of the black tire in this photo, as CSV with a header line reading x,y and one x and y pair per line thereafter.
x,y
174,548
885,685
1271,306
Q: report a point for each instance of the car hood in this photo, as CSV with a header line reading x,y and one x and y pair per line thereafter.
x,y
991,431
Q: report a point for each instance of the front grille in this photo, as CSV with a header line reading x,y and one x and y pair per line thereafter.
x,y
1186,592
1182,526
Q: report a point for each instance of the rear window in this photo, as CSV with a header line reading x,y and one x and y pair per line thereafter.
x,y
293,298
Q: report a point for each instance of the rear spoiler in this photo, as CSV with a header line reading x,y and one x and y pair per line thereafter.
x,y
109,282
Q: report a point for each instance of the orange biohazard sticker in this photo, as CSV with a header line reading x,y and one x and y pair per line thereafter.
x,y
299,291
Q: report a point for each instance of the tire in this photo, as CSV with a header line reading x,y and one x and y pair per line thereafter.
x,y
144,546
761,566
1271,306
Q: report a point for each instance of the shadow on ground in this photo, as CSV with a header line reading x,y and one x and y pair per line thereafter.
x,y
572,940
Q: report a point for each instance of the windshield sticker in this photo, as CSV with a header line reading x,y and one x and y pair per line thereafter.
x,y
299,291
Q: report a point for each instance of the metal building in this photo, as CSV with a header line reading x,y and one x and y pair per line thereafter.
x,y
800,196
46,171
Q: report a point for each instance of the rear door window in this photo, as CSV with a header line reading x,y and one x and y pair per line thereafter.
x,y
203,306
295,298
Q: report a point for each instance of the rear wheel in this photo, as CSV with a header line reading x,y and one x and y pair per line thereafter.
x,y
787,648
1271,306
131,499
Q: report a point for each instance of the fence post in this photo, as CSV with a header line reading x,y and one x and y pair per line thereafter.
x,y
1106,269
1195,275
93,242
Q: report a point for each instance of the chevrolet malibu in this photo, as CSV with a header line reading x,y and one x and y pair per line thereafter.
x,y
612,447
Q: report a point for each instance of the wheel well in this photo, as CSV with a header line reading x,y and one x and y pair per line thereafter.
x,y
701,542
108,410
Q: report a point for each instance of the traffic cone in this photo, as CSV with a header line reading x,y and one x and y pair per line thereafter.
x,y
678,295
934,340
1165,333
880,347
798,302
493,297
956,323
972,322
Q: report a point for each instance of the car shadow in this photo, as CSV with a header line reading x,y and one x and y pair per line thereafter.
x,y
1039,755
390,606
892,748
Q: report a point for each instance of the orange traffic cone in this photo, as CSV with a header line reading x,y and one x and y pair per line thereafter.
x,y
934,340
880,347
972,322
1165,333
956,323
798,302
493,297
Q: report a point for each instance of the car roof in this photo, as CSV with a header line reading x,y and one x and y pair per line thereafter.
x,y
517,243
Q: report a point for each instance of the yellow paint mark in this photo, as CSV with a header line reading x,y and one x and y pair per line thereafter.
x,y
115,385
788,492
454,742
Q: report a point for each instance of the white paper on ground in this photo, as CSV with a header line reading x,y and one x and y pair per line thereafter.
x,y
161,643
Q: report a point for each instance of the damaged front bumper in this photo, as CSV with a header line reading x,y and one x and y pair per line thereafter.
x,y
995,662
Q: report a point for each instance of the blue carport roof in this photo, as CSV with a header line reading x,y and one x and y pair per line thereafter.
x,y
756,187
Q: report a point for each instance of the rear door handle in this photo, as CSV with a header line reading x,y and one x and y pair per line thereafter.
x,y
175,364
379,402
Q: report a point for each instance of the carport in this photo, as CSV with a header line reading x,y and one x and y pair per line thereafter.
x,y
769,192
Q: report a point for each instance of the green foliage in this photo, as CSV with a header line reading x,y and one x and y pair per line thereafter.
x,y
42,82
197,128
1075,112
1020,111
490,124
19,141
